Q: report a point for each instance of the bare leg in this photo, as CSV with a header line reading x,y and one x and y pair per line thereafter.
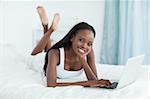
x,y
45,27
53,26
43,16
44,20
45,41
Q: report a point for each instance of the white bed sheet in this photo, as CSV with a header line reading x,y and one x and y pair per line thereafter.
x,y
18,80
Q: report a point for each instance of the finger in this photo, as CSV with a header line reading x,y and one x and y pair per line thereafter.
x,y
105,83
108,83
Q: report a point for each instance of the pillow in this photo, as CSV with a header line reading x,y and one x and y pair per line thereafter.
x,y
35,63
10,53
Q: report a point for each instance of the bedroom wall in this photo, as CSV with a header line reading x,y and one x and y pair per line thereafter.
x,y
21,26
1,28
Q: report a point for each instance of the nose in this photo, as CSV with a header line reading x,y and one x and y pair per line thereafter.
x,y
84,45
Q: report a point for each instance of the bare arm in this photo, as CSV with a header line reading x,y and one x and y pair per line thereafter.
x,y
92,83
82,83
91,62
89,66
88,71
53,59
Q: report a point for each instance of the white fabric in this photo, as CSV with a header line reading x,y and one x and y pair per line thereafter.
x,y
61,72
35,63
18,81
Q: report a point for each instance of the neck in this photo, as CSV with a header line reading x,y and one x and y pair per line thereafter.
x,y
71,54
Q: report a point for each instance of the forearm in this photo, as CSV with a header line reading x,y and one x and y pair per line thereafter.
x,y
71,83
89,73
81,83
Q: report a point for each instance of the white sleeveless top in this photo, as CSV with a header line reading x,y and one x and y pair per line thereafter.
x,y
61,72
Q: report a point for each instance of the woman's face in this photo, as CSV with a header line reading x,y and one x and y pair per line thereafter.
x,y
82,42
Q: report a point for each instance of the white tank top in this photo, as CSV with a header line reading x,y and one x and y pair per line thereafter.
x,y
61,72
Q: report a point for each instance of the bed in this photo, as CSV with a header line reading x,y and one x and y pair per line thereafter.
x,y
21,77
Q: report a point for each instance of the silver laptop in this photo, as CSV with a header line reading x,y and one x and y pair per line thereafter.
x,y
129,73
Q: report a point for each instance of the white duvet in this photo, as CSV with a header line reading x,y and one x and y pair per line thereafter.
x,y
18,81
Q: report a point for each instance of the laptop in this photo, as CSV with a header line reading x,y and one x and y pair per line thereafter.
x,y
129,74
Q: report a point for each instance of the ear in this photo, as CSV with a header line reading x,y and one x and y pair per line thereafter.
x,y
72,38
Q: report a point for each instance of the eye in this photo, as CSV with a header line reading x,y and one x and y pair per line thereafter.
x,y
90,44
81,40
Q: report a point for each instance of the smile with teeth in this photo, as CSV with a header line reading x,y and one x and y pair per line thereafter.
x,y
82,51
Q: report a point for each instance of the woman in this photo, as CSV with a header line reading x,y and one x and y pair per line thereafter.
x,y
70,56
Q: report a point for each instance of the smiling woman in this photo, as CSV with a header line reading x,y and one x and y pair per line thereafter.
x,y
70,56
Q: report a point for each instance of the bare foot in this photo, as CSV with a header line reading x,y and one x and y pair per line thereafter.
x,y
55,21
42,14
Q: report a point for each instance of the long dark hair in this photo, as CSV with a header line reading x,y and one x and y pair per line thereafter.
x,y
65,42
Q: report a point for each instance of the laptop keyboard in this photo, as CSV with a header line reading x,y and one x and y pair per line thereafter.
x,y
114,85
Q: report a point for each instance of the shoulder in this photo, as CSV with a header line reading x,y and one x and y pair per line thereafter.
x,y
54,52
53,55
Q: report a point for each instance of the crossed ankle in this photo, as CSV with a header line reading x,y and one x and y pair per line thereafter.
x,y
52,29
45,27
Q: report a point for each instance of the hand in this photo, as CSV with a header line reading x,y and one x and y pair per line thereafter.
x,y
105,83
82,58
100,83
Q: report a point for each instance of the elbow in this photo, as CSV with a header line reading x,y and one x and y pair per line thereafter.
x,y
51,84
33,53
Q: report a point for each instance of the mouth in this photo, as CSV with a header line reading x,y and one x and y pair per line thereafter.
x,y
82,51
